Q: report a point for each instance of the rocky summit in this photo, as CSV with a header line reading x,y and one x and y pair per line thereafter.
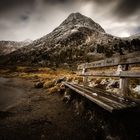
x,y
78,39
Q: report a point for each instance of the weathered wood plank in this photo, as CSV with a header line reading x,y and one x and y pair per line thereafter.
x,y
105,106
101,97
124,83
129,74
85,78
126,74
132,58
114,97
124,86
109,95
106,101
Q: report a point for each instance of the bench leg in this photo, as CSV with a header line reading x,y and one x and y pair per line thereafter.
x,y
124,82
85,80
124,86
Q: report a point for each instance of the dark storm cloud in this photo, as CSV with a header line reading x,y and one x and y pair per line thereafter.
x,y
126,8
8,4
21,19
103,1
123,8
58,1
136,30
24,17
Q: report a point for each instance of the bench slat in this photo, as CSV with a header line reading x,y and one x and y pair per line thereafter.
x,y
106,101
105,106
126,74
112,96
132,58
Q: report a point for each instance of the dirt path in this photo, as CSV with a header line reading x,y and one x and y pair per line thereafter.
x,y
11,91
33,114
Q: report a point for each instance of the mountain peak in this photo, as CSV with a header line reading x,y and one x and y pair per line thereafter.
x,y
76,15
78,39
77,19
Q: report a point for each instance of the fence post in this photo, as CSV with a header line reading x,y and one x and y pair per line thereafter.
x,y
124,82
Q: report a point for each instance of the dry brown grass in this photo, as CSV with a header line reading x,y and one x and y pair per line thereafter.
x,y
49,76
40,73
54,89
49,84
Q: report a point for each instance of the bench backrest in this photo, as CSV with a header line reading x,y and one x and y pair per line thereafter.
x,y
132,58
123,62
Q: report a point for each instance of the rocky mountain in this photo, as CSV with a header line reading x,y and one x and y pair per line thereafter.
x,y
7,47
78,39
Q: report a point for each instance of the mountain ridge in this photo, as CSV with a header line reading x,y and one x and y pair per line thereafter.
x,y
7,47
77,39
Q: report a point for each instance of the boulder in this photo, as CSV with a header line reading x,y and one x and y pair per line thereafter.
x,y
59,80
39,84
67,95
113,84
137,89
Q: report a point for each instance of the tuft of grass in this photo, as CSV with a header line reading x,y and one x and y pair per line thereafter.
x,y
49,84
54,89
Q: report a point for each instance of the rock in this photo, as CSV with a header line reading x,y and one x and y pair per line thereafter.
x,y
91,84
54,89
112,138
97,81
104,82
67,95
79,107
39,84
69,79
137,89
62,89
113,84
43,137
77,80
59,80
100,86
134,83
114,90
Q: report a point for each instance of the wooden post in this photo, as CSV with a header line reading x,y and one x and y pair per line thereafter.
x,y
124,83
85,78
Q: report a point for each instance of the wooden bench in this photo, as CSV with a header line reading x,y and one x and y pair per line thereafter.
x,y
109,101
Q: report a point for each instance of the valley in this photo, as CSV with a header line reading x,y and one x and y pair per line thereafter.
x,y
33,101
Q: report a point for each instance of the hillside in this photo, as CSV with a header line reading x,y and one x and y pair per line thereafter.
x,y
7,47
78,39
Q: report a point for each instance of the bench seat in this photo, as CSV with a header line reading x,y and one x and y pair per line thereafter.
x,y
109,101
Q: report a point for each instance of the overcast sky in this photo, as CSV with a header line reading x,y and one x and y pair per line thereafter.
x,y
32,19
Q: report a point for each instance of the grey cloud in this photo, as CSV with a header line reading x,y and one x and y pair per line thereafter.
x,y
21,19
8,4
136,30
103,1
123,8
127,8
